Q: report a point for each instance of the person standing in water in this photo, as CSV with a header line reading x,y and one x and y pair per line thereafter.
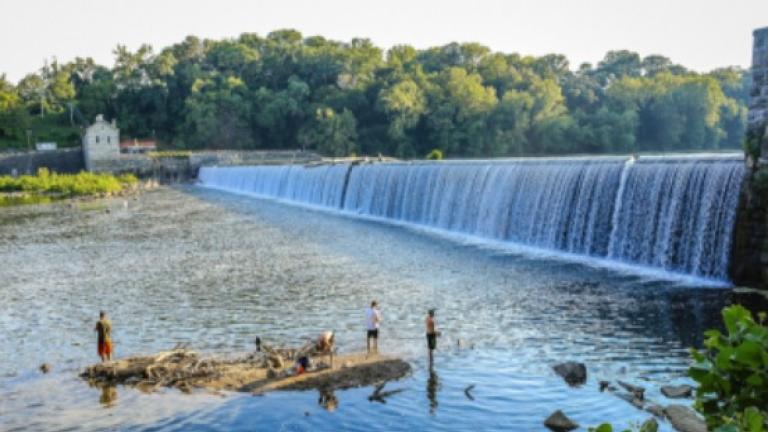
x,y
432,334
104,332
372,321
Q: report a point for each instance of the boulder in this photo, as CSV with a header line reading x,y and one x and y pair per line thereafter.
x,y
559,422
45,368
676,392
574,373
684,419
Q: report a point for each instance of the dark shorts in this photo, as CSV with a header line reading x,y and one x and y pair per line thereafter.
x,y
431,341
373,334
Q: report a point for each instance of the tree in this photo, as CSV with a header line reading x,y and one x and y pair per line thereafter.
x,y
330,133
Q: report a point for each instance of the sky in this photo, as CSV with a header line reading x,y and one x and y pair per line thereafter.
x,y
699,34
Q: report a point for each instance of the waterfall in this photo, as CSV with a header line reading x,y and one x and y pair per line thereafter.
x,y
321,185
669,213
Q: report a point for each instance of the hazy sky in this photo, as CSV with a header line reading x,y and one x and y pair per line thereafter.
x,y
699,34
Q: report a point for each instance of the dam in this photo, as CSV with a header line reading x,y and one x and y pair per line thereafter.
x,y
671,214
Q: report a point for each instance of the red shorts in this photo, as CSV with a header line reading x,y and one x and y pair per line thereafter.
x,y
105,348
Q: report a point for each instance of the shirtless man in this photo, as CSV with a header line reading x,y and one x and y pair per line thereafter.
x,y
432,334
104,333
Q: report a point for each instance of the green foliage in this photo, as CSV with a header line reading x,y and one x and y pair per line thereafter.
x,y
753,142
435,154
761,179
178,154
732,373
82,184
264,92
647,426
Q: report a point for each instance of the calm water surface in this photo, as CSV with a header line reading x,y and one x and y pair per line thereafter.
x,y
215,270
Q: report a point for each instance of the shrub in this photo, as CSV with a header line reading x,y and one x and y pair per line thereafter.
x,y
435,154
179,154
761,179
84,183
732,374
753,142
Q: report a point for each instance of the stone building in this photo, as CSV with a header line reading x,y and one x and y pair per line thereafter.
x,y
101,142
758,101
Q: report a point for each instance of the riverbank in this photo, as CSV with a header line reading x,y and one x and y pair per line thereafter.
x,y
46,187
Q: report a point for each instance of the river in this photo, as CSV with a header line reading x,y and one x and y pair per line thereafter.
x,y
212,269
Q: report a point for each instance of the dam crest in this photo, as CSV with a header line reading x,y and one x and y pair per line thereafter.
x,y
673,214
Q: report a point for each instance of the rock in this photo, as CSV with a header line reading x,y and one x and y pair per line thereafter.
x,y
650,425
574,373
637,391
559,422
676,392
684,419
655,409
45,368
604,385
631,399
272,373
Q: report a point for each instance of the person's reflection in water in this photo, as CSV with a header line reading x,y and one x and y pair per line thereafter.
x,y
433,385
108,396
328,400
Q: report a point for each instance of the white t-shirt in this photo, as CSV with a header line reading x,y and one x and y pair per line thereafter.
x,y
372,318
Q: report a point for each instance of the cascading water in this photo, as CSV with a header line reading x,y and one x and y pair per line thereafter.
x,y
322,185
670,213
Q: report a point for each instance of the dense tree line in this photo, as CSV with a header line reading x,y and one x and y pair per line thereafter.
x,y
339,98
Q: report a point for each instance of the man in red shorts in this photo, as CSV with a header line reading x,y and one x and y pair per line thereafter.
x,y
104,332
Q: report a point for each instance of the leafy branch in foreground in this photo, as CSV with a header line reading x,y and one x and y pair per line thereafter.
x,y
732,373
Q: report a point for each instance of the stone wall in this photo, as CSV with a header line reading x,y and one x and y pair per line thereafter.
x,y
758,97
61,161
749,256
250,157
180,168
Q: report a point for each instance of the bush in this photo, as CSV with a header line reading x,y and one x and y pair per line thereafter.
x,y
760,179
435,154
732,374
178,154
84,183
753,142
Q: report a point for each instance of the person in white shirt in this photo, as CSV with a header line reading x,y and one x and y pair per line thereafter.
x,y
372,321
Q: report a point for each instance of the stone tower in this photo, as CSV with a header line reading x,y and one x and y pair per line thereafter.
x,y
758,97
101,142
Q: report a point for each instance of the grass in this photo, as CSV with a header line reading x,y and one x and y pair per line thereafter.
x,y
46,183
179,154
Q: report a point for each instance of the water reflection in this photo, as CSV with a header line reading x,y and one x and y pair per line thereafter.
x,y
14,200
433,386
108,397
328,400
